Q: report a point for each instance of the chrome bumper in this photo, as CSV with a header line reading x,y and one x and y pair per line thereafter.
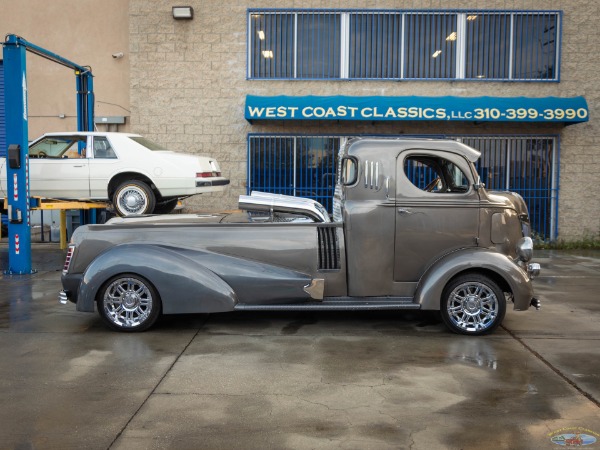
x,y
63,297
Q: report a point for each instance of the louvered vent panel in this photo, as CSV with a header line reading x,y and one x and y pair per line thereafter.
x,y
329,252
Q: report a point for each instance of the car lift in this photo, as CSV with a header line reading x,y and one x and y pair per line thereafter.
x,y
17,133
44,204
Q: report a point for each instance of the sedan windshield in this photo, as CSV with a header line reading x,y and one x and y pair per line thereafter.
x,y
148,143
58,147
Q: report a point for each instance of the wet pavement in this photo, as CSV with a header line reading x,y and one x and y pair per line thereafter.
x,y
299,380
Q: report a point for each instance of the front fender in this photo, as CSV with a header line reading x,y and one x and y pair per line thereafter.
x,y
431,285
184,285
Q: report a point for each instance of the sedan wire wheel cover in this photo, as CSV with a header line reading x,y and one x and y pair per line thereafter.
x,y
473,306
133,200
127,302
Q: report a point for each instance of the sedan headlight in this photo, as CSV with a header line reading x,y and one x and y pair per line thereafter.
x,y
525,249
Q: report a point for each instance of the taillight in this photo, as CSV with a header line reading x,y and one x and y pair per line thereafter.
x,y
70,251
208,174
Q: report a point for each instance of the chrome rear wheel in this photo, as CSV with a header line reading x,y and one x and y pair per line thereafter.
x,y
129,303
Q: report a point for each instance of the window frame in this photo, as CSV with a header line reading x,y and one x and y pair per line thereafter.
x,y
459,61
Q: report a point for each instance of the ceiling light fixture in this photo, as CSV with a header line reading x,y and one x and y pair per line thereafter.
x,y
436,54
261,35
267,53
472,17
451,36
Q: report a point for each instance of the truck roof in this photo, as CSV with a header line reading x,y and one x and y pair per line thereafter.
x,y
449,145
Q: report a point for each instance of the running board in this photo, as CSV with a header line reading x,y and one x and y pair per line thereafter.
x,y
338,304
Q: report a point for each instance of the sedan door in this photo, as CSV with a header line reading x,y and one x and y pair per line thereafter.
x,y
103,165
59,168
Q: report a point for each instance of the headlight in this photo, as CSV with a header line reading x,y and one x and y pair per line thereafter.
x,y
525,225
525,249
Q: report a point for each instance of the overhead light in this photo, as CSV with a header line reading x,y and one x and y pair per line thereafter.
x,y
480,76
261,35
183,12
267,53
472,17
436,54
451,36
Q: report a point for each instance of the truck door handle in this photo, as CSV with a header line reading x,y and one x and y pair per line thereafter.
x,y
404,211
78,166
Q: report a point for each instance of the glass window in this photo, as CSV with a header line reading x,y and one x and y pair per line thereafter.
x,y
300,166
487,46
58,147
403,44
430,45
148,143
273,45
103,149
318,46
534,46
349,172
375,45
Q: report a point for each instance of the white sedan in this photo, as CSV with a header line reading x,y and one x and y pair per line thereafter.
x,y
137,175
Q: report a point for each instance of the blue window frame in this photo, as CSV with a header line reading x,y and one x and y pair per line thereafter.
x,y
404,44
305,166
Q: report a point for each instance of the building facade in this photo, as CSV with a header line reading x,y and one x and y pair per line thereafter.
x,y
199,85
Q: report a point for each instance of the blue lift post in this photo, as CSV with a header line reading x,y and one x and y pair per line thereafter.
x,y
17,131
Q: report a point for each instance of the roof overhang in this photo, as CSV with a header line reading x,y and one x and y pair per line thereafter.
x,y
565,110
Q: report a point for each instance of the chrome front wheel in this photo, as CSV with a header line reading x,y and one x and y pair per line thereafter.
x,y
473,304
128,303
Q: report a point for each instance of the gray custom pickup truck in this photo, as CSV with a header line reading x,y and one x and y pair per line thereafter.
x,y
412,228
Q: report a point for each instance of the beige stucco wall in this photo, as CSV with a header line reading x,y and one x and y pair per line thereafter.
x,y
188,86
86,32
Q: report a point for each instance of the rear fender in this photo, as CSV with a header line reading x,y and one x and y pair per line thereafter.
x,y
183,285
499,266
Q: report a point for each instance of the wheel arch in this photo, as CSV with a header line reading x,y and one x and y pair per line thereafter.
x,y
121,177
507,275
183,285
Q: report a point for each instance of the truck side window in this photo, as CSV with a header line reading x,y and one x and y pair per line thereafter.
x,y
349,171
437,175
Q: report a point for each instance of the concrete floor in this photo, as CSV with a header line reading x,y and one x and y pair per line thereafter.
x,y
298,380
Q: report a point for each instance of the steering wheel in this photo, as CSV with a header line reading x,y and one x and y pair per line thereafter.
x,y
431,186
42,154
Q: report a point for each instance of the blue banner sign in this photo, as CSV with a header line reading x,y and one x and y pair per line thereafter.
x,y
470,109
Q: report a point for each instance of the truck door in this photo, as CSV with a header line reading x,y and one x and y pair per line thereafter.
x,y
437,210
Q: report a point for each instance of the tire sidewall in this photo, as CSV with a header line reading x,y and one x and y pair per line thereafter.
x,y
473,278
